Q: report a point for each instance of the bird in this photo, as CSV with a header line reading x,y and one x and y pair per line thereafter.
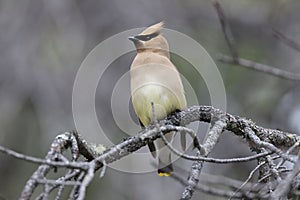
x,y
156,83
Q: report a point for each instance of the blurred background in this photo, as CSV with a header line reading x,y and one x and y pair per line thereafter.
x,y
43,43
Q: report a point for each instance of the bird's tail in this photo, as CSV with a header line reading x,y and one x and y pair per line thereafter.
x,y
165,169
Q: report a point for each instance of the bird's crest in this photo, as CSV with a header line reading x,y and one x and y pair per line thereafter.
x,y
156,28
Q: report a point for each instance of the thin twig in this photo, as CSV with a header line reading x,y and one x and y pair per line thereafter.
x,y
75,191
283,187
60,192
226,182
289,42
86,181
102,173
276,138
248,179
288,152
259,67
270,174
71,165
62,142
210,142
193,179
68,176
273,168
226,29
58,182
212,160
254,139
213,134
214,191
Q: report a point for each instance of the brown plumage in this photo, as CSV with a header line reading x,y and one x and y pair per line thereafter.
x,y
155,79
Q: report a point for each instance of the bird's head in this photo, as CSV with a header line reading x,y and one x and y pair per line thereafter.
x,y
151,40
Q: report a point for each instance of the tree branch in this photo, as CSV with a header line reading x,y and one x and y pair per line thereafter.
x,y
226,29
259,67
257,137
289,42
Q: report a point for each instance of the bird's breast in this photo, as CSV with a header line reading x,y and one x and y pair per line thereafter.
x,y
160,85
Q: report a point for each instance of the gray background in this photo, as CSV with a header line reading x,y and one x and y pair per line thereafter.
x,y
42,44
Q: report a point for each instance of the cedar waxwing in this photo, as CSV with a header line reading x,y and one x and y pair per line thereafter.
x,y
154,79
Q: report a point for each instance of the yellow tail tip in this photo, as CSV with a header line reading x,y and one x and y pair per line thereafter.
x,y
164,174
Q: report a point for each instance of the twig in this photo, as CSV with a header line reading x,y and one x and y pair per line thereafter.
x,y
214,191
72,165
212,160
257,143
58,182
60,192
289,42
273,168
268,175
213,135
282,188
193,179
46,192
68,176
249,178
86,181
210,142
277,139
61,142
227,182
102,173
288,152
74,194
259,67
226,29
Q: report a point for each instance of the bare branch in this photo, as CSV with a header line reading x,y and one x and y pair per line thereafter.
x,y
58,182
61,143
193,179
227,182
256,143
213,135
283,187
208,159
257,136
289,42
210,142
259,67
249,178
288,152
215,191
86,181
226,29
72,165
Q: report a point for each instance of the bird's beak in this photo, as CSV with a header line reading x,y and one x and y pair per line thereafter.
x,y
133,39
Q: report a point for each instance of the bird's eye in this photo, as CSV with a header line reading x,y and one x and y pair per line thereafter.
x,y
146,37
